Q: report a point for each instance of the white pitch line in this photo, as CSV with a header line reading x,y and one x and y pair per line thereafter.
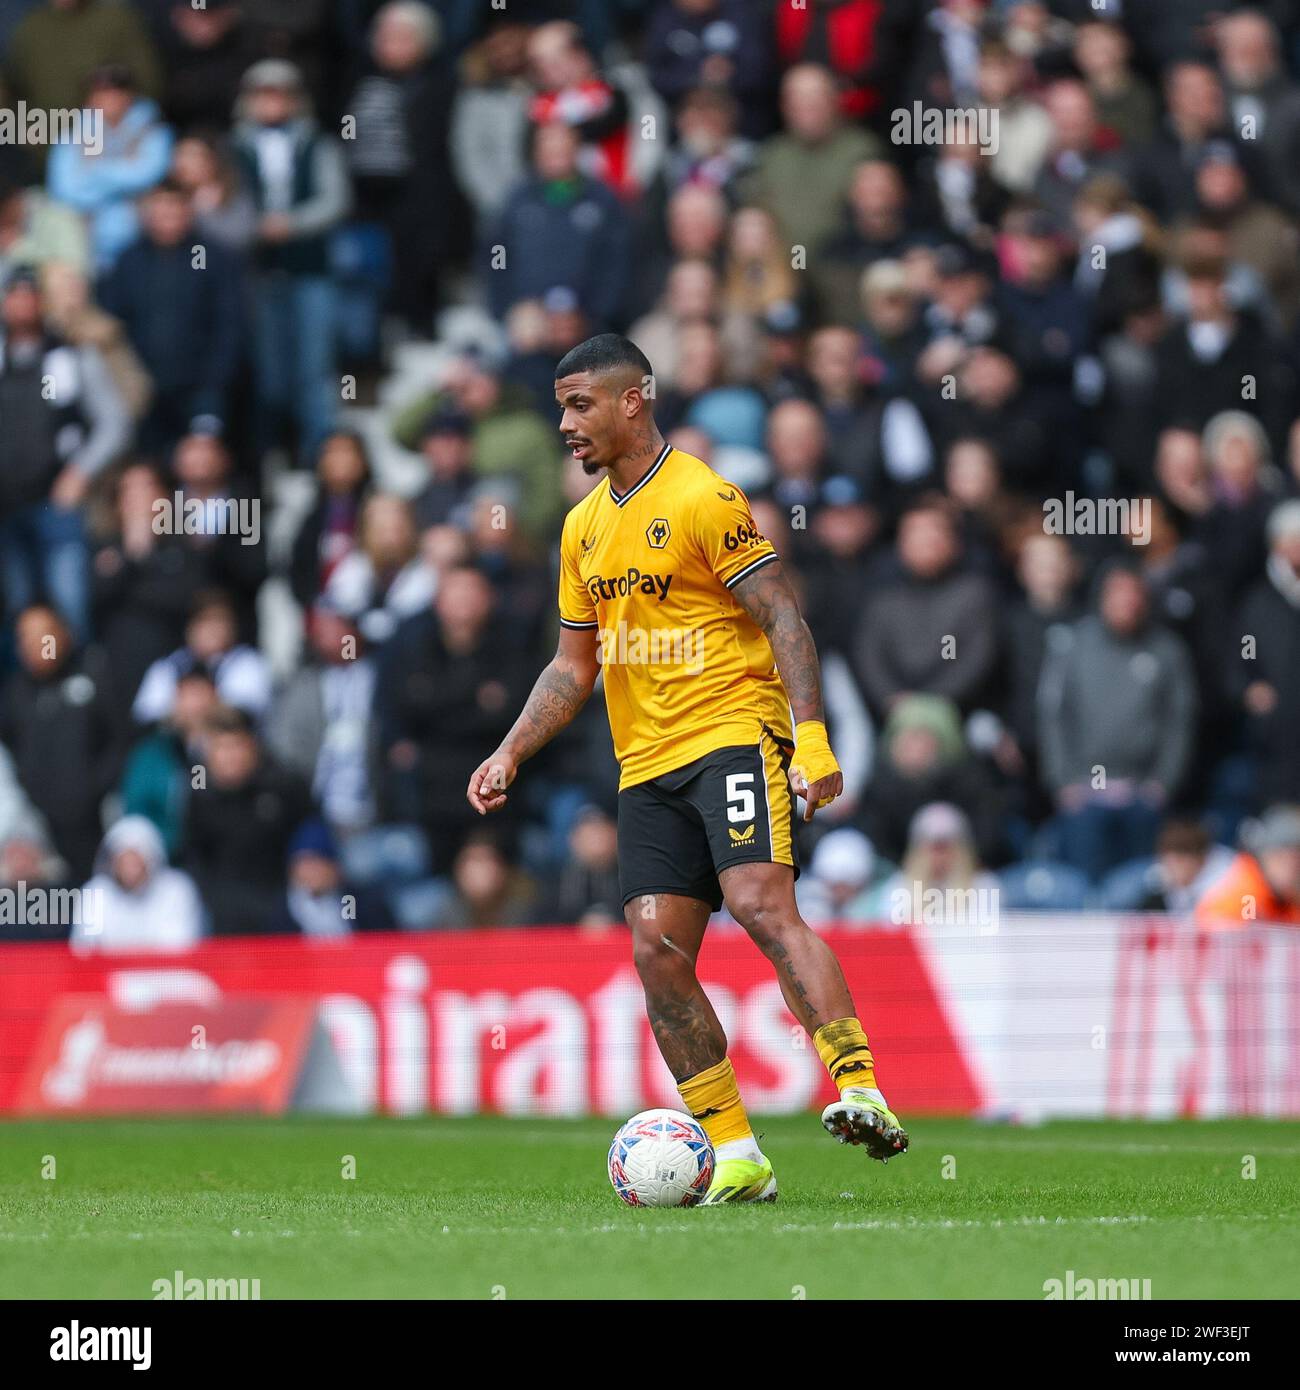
x,y
879,1224
433,1130
1227,1149
641,1229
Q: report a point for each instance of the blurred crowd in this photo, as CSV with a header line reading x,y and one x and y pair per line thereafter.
x,y
1019,410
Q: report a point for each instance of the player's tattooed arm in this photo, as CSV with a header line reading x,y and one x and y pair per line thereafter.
x,y
767,597
560,692
557,697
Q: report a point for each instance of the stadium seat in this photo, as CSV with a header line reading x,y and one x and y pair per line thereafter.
x,y
1124,888
392,855
1042,887
417,905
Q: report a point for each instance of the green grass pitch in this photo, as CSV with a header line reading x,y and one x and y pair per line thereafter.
x,y
493,1208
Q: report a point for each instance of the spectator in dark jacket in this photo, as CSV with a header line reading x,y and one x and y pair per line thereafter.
x,y
1043,318
1244,489
329,531
519,582
587,892
1203,361
877,437
182,309
446,687
447,447
145,582
559,228
318,901
222,523
957,191
720,44
932,626
1080,148
56,719
63,423
400,156
204,49
240,826
1162,173
1117,715
923,759
1188,597
1048,572
488,890
845,527
876,227
300,185
990,401
1266,669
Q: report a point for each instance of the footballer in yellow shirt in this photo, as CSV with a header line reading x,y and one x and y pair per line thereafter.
x,y
668,588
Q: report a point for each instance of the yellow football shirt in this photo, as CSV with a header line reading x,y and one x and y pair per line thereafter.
x,y
686,669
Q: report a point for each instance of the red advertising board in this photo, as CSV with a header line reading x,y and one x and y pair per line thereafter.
x,y
541,1021
238,1054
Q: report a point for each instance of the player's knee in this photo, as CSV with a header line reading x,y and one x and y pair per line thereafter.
x,y
767,922
659,962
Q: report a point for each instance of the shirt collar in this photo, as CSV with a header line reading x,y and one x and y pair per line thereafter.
x,y
620,498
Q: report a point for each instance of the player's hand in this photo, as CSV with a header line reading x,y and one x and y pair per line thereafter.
x,y
814,773
487,787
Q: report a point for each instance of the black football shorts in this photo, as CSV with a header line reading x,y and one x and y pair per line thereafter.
x,y
677,832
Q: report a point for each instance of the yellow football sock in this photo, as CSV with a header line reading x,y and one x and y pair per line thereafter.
x,y
842,1046
714,1100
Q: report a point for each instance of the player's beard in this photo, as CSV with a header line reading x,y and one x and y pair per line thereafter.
x,y
591,464
595,461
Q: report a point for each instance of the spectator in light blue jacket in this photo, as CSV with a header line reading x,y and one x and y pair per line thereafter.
x,y
104,182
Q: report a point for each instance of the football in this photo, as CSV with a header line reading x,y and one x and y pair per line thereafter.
x,y
661,1158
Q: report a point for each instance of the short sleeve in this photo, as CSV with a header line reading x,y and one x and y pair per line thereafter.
x,y
577,610
733,546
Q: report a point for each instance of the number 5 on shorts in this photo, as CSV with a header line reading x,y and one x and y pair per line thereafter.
x,y
740,796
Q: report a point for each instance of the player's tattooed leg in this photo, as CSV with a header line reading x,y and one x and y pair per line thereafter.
x,y
666,933
687,1030
761,898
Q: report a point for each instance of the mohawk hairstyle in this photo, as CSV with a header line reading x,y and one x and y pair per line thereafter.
x,y
606,352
